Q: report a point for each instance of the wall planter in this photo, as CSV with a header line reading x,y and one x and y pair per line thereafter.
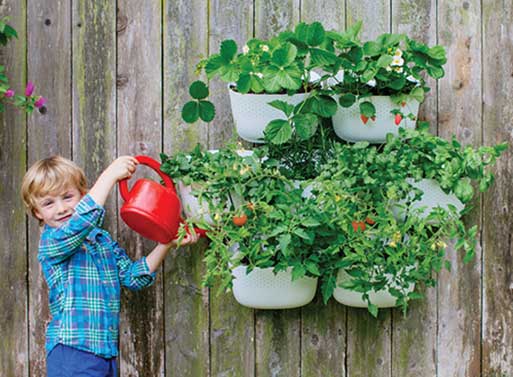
x,y
433,197
381,298
263,289
349,126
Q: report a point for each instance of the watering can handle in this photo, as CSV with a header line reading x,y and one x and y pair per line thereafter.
x,y
148,161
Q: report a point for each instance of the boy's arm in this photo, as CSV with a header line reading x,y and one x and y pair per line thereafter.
x,y
58,244
141,273
121,168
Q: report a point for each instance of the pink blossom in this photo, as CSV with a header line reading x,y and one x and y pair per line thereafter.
x,y
9,93
29,89
40,102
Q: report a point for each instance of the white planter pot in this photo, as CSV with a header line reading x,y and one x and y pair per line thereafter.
x,y
381,298
433,197
262,289
251,112
348,125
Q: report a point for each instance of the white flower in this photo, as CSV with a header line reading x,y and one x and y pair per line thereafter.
x,y
245,49
398,61
259,75
388,68
398,53
398,69
265,48
412,79
372,83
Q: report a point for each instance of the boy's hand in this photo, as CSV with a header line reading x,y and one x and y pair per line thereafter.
x,y
121,168
189,239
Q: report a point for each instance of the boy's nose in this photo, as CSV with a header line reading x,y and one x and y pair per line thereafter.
x,y
61,207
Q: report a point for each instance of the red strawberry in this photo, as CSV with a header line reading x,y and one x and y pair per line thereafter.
x,y
240,220
398,119
369,221
364,119
403,103
373,118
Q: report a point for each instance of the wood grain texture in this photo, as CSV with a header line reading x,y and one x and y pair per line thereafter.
x,y
323,327
49,67
139,132
323,339
369,344
459,291
331,13
275,16
187,318
14,357
414,336
232,333
498,203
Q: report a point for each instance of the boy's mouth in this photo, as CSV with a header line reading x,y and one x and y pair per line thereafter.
x,y
65,218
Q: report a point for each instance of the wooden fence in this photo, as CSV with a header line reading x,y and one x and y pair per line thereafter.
x,y
116,73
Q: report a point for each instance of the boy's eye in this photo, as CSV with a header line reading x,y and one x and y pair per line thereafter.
x,y
46,204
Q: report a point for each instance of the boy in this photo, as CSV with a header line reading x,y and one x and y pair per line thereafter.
x,y
83,266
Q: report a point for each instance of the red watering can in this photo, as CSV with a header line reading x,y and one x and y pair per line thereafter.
x,y
152,210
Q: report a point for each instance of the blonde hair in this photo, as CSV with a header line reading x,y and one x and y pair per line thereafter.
x,y
50,175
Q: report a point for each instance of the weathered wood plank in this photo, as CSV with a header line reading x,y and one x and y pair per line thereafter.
x,y
323,339
49,66
369,339
459,291
278,340
331,14
273,16
374,14
232,334
186,302
14,358
497,81
323,327
139,123
414,336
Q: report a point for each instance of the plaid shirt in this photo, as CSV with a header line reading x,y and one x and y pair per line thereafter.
x,y
84,269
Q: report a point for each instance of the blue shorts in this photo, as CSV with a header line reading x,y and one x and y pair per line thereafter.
x,y
64,361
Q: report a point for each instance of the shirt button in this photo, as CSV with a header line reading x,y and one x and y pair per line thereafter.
x,y
111,328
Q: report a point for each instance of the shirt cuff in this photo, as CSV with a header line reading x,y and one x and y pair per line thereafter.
x,y
142,269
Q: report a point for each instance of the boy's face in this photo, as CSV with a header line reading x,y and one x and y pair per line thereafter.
x,y
56,208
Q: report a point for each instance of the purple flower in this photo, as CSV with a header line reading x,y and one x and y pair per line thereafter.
x,y
40,102
29,89
9,93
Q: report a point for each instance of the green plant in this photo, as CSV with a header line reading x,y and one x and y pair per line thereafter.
x,y
392,65
453,166
28,101
284,64
355,194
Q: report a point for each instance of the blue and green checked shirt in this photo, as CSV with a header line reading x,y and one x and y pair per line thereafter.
x,y
84,269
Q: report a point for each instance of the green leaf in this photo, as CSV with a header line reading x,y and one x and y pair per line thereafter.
x,y
347,100
190,111
397,84
321,58
464,190
287,108
284,241
301,233
278,131
198,90
285,55
435,72
228,50
214,64
369,74
324,106
301,32
417,94
373,310
298,271
371,48
367,109
385,61
271,79
305,125
312,268
310,223
290,78
437,52
315,34
448,265
244,83
207,111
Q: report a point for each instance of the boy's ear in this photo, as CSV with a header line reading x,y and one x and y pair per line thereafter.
x,y
38,215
